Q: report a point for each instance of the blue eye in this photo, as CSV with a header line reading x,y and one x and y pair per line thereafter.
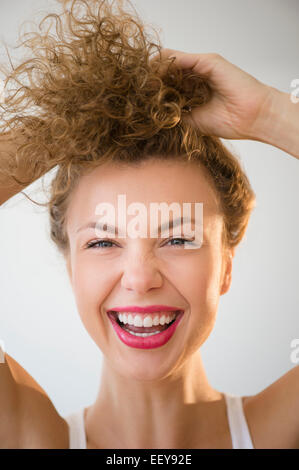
x,y
181,239
96,244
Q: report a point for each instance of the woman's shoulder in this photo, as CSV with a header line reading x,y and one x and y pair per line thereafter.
x,y
30,420
273,414
41,426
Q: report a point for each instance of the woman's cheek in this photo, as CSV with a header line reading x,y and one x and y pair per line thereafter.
x,y
202,291
93,281
87,285
89,291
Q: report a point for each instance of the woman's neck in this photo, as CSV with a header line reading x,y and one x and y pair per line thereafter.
x,y
130,413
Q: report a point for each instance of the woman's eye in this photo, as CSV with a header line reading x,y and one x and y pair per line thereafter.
x,y
96,243
99,243
180,239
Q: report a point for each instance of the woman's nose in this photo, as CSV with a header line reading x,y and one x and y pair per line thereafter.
x,y
140,274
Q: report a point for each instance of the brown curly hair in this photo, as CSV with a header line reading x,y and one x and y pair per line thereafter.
x,y
90,94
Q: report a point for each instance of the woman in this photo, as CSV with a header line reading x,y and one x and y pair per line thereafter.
x,y
117,123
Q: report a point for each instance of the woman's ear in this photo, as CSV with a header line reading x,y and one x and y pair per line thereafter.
x,y
227,273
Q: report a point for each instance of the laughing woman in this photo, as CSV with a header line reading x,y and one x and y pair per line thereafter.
x,y
114,120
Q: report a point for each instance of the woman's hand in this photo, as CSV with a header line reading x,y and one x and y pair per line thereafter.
x,y
239,101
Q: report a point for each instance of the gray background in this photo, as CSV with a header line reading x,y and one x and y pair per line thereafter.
x,y
250,346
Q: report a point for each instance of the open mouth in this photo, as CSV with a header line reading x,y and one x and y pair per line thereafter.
x,y
140,330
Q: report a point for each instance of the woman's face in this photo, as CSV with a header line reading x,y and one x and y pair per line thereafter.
x,y
146,271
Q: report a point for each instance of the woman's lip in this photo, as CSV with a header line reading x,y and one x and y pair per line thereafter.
x,y
150,342
148,309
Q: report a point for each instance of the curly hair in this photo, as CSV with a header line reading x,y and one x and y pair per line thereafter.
x,y
90,94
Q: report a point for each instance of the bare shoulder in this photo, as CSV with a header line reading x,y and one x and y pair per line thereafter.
x,y
40,425
273,414
31,419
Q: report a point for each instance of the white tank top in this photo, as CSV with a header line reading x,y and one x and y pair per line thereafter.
x,y
239,431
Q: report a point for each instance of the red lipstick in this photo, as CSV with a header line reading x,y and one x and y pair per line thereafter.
x,y
148,342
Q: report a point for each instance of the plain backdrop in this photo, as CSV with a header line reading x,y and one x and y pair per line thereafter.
x,y
250,346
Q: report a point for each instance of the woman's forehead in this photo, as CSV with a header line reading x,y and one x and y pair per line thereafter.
x,y
144,188
153,181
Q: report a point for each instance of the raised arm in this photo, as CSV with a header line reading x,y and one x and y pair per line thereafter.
x,y
28,418
20,394
8,186
278,125
241,107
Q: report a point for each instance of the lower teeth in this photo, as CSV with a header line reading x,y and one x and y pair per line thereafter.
x,y
142,334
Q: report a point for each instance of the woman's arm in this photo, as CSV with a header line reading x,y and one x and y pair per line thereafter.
x,y
278,123
18,392
8,187
12,158
18,389
241,107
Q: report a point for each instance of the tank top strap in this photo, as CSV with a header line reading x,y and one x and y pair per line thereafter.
x,y
240,434
75,421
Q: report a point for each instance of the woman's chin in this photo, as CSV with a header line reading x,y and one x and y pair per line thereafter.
x,y
147,371
145,365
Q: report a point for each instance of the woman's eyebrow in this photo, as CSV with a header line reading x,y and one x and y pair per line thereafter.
x,y
111,229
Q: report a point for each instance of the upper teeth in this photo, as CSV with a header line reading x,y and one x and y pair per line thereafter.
x,y
146,321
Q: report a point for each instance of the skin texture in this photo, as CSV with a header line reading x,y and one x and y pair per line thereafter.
x,y
154,387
